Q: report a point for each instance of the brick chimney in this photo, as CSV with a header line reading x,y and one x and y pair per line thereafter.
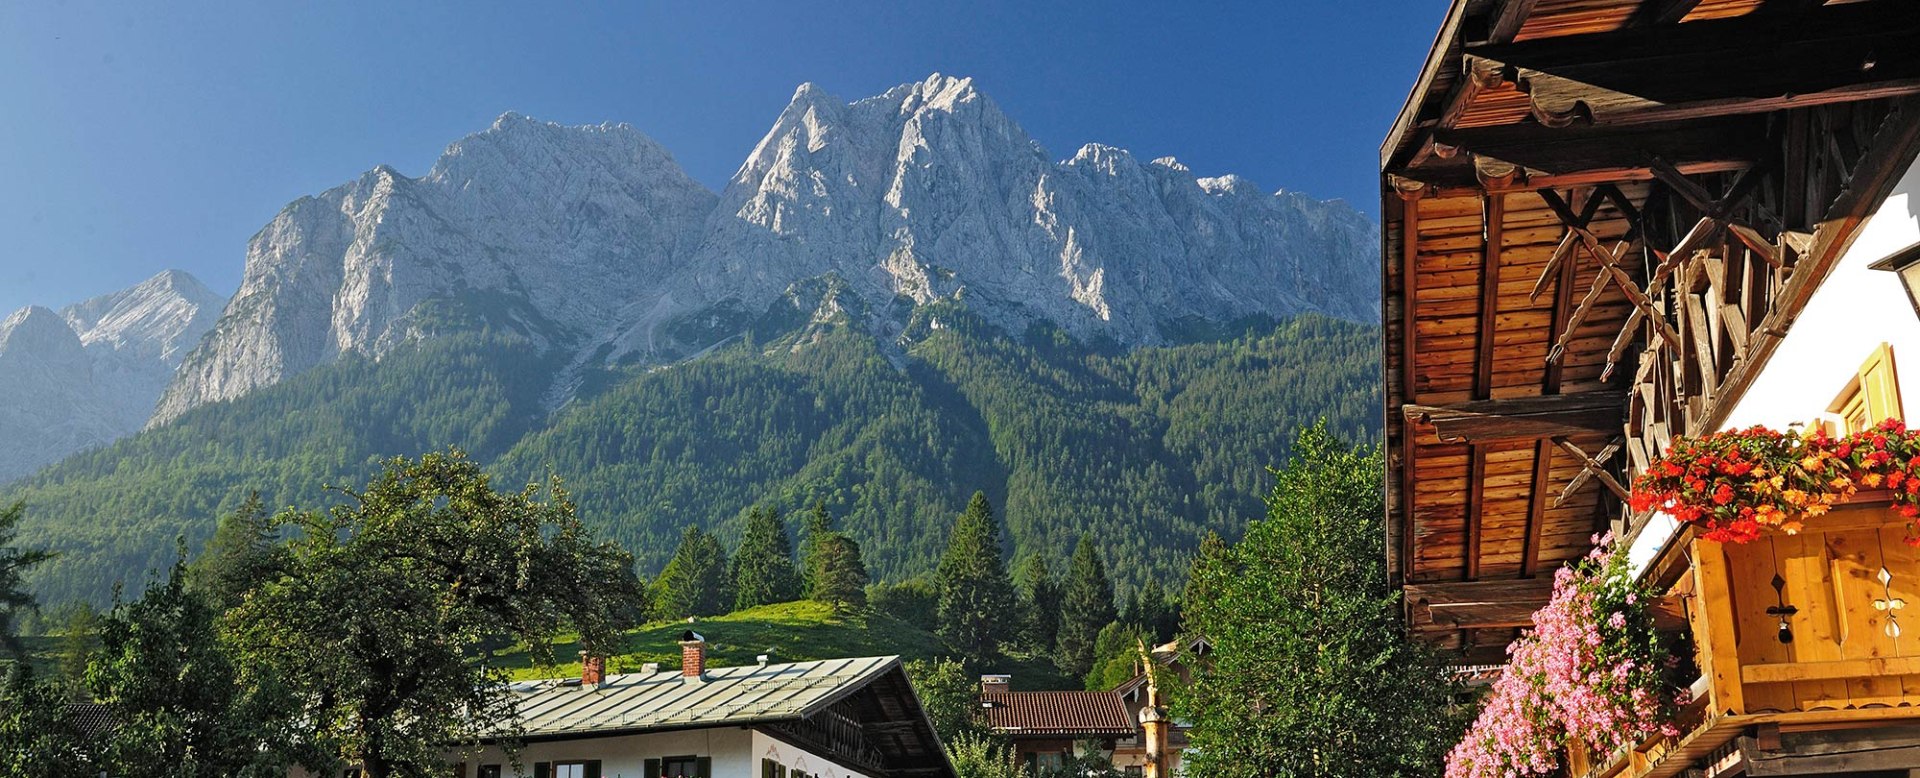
x,y
593,669
995,684
693,656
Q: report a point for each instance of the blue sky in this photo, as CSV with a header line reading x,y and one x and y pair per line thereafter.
x,y
137,137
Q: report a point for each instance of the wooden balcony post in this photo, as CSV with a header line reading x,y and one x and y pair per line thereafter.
x,y
1713,632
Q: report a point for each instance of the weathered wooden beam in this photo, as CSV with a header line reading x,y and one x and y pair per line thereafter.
x,y
1730,143
1594,467
1476,508
1537,507
1522,418
1840,53
1655,13
1493,213
1496,604
1508,19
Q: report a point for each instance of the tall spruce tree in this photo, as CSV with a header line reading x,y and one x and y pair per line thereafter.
x,y
1086,607
15,600
694,582
1040,603
839,575
243,553
976,598
814,527
763,571
1312,673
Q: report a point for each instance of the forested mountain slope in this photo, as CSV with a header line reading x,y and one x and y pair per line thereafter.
x,y
1147,449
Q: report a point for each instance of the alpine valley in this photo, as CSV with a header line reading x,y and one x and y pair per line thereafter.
x,y
893,302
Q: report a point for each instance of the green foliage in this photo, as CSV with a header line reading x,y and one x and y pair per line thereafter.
x,y
15,561
915,600
377,625
1116,655
1154,612
763,571
1085,608
114,512
38,734
839,575
983,756
695,581
1312,673
243,553
1039,604
79,638
976,598
176,693
950,697
1149,449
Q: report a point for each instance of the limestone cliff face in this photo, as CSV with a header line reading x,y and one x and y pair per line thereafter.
x,y
528,226
592,242
90,373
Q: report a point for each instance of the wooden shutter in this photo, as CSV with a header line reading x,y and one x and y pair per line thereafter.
x,y
542,770
652,768
593,768
766,768
703,767
780,771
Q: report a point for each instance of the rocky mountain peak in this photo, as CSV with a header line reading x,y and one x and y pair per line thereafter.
x,y
593,243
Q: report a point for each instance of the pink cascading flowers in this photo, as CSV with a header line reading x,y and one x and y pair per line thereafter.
x,y
1592,670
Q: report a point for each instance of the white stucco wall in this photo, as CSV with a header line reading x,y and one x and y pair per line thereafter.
x,y
736,753
1852,312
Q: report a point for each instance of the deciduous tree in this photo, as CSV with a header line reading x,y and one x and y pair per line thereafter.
x,y
1311,672
376,625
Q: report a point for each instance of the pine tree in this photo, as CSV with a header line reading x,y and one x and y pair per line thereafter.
x,y
1040,599
839,576
976,598
1085,608
694,582
243,552
1312,672
763,571
815,527
15,600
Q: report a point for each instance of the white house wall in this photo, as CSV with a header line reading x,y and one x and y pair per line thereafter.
x,y
736,753
1852,312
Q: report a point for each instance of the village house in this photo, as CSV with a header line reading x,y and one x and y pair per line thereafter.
x,y
834,718
1611,226
1129,723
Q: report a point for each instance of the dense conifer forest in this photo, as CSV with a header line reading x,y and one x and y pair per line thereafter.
x,y
1145,451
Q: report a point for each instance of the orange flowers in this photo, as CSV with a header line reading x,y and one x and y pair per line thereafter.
x,y
1737,484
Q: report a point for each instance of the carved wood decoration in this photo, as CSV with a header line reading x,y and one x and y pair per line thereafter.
x,y
1600,218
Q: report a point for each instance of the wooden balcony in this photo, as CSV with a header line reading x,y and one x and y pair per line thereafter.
x,y
1760,698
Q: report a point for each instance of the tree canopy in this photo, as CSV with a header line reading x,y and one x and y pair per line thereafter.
x,y
763,571
1086,608
15,561
376,626
1311,672
695,581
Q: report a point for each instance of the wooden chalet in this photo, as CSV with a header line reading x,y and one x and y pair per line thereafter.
x,y
1610,224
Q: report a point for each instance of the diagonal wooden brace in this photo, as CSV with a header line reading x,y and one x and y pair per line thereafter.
x,y
1592,467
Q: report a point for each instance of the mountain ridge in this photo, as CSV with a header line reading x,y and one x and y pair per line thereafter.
x,y
90,373
591,242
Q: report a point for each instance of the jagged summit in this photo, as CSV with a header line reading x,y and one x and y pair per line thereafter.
x,y
90,373
591,242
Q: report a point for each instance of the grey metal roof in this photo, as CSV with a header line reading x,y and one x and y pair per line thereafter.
x,y
727,696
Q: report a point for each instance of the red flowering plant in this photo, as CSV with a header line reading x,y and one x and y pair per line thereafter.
x,y
1592,670
1736,485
